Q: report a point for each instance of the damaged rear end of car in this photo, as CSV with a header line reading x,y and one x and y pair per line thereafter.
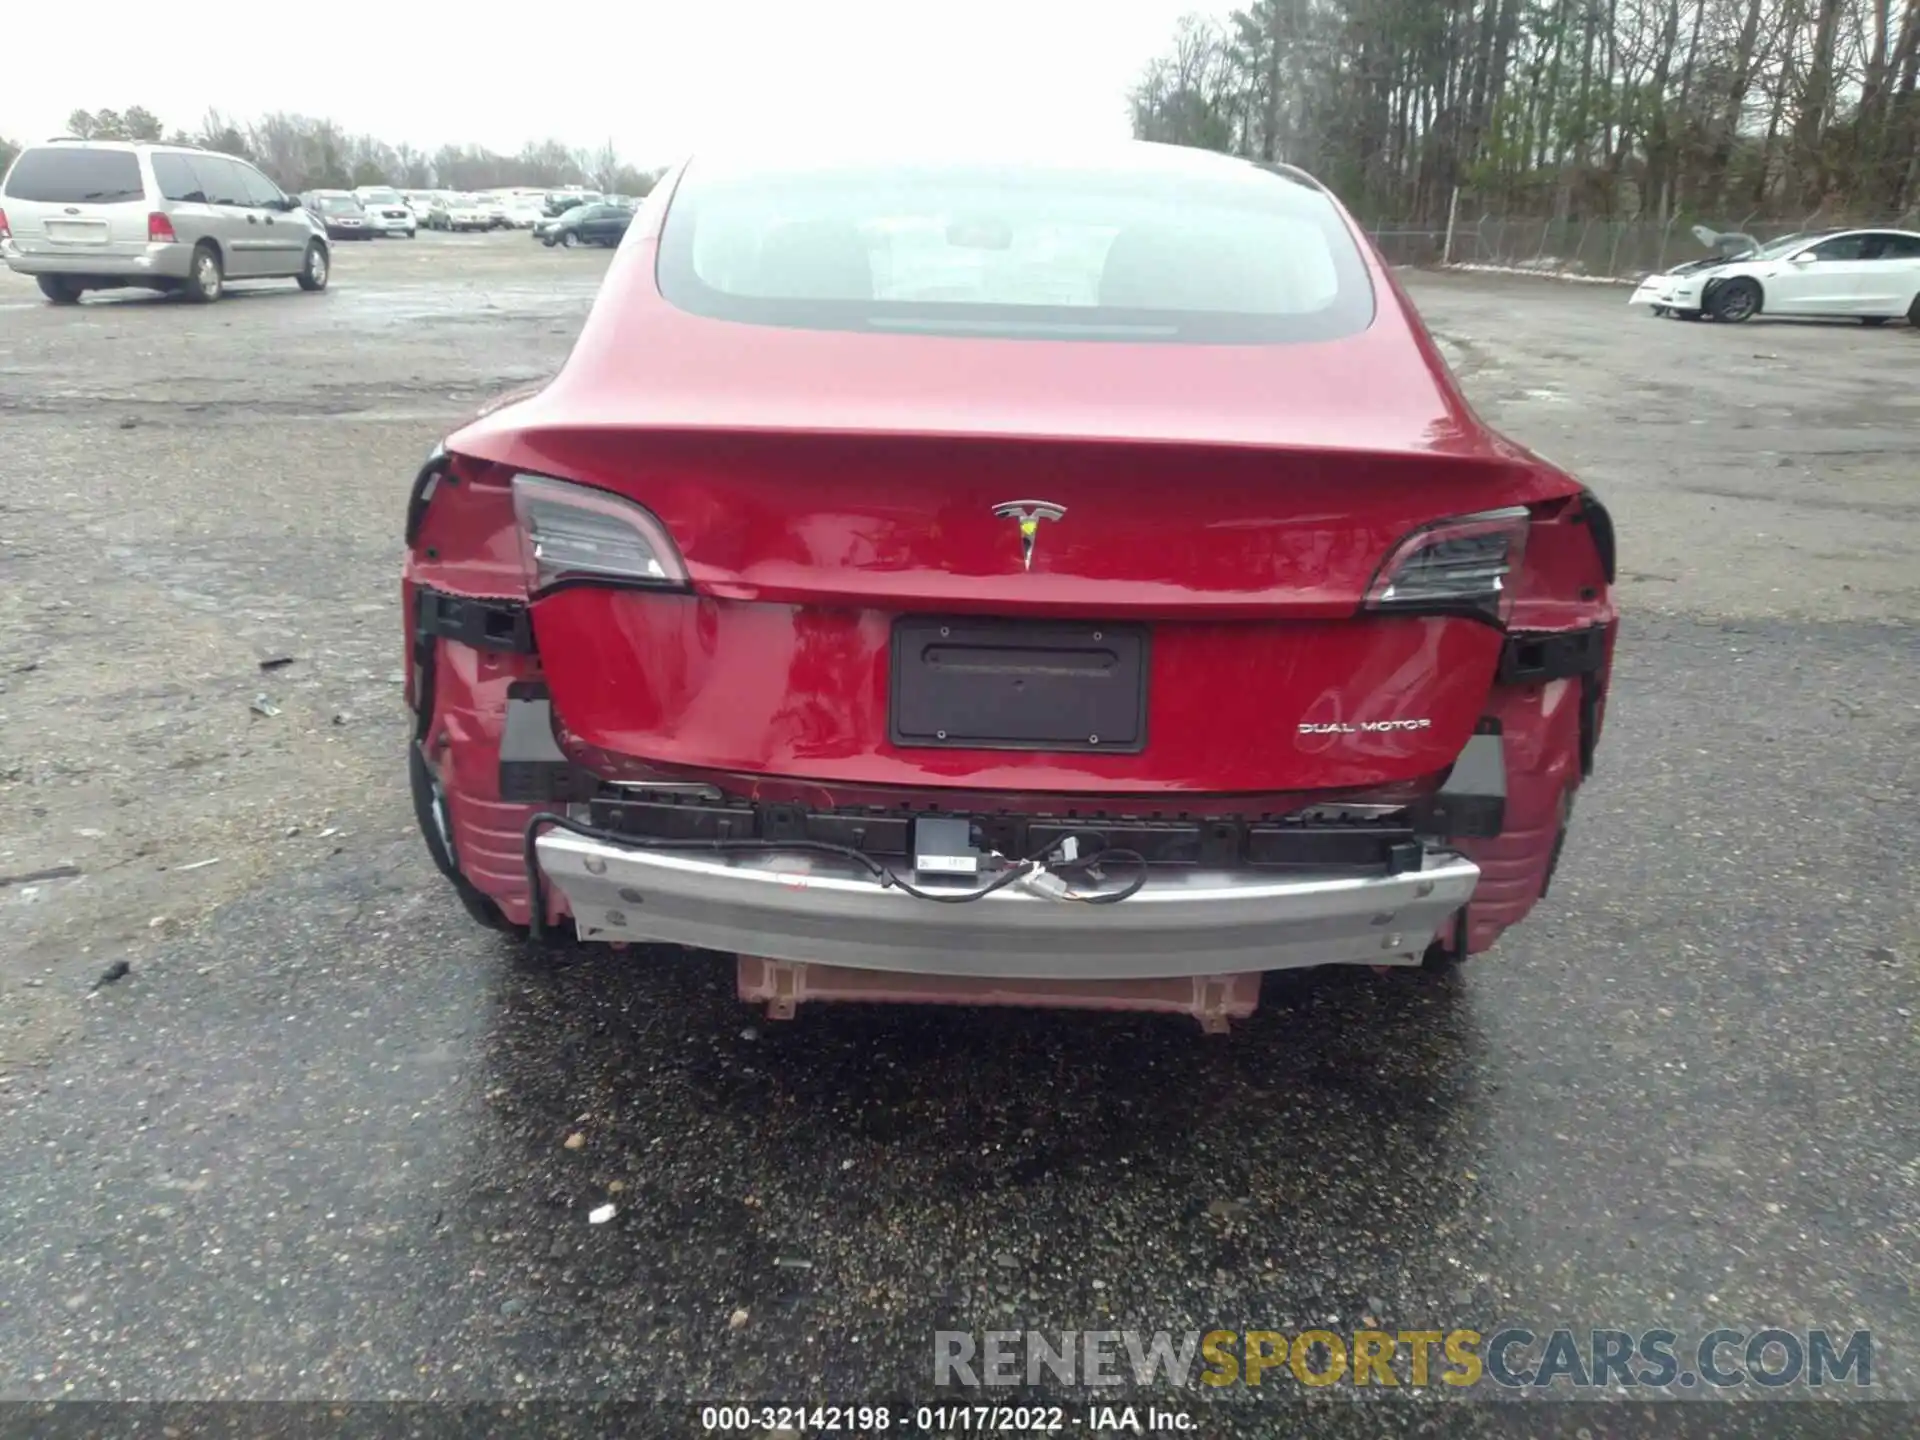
x,y
1106,647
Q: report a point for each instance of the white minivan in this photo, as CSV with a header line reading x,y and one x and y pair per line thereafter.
x,y
82,215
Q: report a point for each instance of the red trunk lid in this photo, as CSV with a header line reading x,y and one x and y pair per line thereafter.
x,y
1246,567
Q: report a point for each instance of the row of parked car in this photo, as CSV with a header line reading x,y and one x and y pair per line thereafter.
x,y
381,210
81,215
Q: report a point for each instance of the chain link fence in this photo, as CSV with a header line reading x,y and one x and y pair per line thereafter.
x,y
1625,250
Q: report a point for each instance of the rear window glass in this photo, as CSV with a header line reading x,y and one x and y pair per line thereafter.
x,y
1203,253
76,175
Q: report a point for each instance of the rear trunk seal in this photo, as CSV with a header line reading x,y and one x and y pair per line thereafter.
x,y
421,496
1599,522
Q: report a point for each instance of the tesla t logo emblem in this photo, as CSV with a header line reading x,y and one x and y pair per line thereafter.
x,y
1029,514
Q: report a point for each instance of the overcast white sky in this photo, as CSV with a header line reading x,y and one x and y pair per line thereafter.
x,y
658,78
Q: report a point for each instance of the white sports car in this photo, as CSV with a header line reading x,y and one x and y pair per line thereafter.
x,y
1872,275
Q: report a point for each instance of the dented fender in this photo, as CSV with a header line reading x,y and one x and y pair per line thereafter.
x,y
463,578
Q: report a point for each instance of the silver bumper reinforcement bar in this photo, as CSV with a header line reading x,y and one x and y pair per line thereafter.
x,y
814,908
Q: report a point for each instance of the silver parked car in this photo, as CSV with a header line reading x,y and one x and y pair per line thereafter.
x,y
104,215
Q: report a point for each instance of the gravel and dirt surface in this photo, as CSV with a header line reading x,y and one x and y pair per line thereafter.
x,y
316,1142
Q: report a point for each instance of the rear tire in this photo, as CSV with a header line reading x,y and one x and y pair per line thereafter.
x,y
1873,319
205,279
314,272
1735,301
568,240
60,290
1913,313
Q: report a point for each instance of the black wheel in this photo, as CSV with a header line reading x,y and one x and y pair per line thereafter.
x,y
430,809
1873,319
205,279
1735,301
1913,313
313,274
1440,959
1660,310
569,239
60,290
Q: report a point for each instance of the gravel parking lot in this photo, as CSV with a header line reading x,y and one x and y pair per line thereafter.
x,y
316,1142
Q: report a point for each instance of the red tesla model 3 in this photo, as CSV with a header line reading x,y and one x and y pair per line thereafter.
x,y
1061,579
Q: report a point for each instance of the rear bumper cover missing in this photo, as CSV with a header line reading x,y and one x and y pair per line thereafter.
x,y
802,908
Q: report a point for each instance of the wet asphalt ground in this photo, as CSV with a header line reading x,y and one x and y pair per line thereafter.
x,y
319,1142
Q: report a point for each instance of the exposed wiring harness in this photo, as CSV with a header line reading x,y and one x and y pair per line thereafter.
x,y
1039,872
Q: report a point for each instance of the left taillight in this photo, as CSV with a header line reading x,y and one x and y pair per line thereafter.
x,y
576,534
5,233
160,230
1458,566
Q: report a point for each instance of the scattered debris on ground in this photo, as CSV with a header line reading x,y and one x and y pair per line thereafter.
x,y
34,877
119,970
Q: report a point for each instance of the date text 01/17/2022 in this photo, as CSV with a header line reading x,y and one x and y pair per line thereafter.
x,y
1052,1420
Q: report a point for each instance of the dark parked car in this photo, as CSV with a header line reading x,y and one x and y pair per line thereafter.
x,y
588,225
561,201
341,212
1075,582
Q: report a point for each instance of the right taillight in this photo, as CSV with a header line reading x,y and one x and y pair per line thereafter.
x,y
160,230
5,233
573,533
1460,566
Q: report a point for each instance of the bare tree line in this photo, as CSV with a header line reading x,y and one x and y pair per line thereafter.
x,y
302,153
1617,109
